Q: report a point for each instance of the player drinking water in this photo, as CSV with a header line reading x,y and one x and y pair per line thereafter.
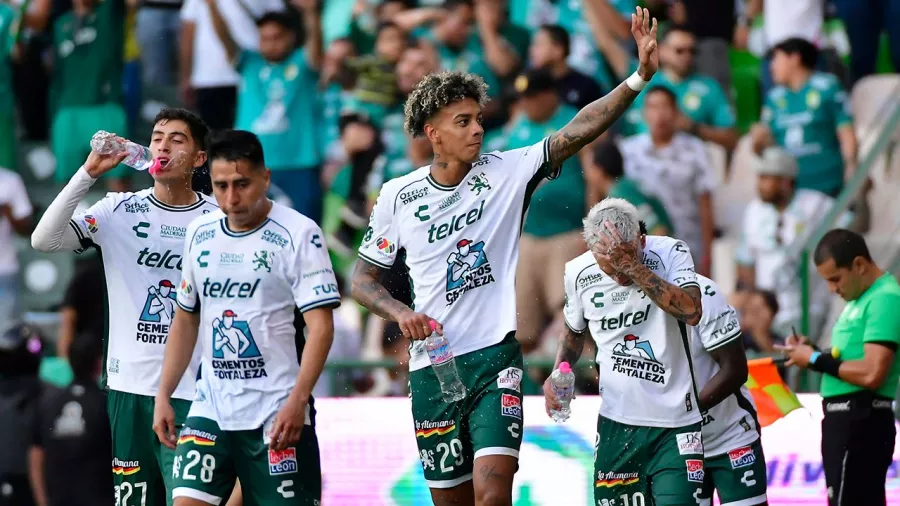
x,y
637,292
253,277
458,221
142,238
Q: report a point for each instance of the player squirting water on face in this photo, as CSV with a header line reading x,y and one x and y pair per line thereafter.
x,y
636,295
458,221
142,237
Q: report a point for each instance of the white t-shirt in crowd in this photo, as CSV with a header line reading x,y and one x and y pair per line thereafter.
x,y
796,18
210,67
12,194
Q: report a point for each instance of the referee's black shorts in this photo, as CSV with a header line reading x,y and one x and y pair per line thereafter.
x,y
858,435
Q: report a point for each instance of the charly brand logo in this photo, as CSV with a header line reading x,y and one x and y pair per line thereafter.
x,y
139,229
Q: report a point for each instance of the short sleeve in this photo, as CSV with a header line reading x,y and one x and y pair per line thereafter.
x,y
312,276
379,245
573,309
190,10
841,108
681,270
532,161
18,198
719,323
92,226
187,297
883,319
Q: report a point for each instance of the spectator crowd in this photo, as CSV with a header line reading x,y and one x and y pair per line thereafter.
x,y
323,85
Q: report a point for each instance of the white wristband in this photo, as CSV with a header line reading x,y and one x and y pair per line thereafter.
x,y
636,82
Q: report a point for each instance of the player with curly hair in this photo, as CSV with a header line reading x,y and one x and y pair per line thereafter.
x,y
458,221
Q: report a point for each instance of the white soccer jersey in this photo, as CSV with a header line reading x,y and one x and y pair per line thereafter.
x,y
462,243
730,424
141,240
642,351
251,289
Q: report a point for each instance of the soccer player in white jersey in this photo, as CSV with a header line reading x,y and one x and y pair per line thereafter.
x,y
254,274
141,236
458,221
632,291
735,466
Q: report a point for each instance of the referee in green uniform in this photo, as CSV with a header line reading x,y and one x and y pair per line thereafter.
x,y
859,373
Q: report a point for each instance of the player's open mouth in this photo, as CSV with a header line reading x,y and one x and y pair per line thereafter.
x,y
163,162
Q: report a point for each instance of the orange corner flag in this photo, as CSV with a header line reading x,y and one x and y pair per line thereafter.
x,y
773,398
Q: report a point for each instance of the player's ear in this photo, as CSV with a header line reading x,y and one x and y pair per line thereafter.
x,y
199,159
431,133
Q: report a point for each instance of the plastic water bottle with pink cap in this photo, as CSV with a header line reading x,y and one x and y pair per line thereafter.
x,y
444,365
563,382
139,157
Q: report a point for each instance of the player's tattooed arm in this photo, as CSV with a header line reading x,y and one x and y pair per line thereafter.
x,y
571,345
731,375
366,288
682,303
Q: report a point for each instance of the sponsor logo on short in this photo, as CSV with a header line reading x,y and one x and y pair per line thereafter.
x,y
197,437
742,457
428,428
610,479
172,232
282,462
510,378
690,443
413,195
137,207
510,405
695,472
125,467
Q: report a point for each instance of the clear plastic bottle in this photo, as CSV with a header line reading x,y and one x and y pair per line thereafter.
x,y
139,157
444,366
563,381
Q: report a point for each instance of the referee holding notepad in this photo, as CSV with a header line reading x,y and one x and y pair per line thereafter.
x,y
860,372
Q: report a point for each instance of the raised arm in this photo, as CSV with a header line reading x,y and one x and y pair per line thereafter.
x,y
223,31
599,115
312,25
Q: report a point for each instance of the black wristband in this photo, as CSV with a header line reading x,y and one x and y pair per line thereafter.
x,y
827,364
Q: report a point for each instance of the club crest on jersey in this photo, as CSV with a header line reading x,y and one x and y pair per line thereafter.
x,y
636,359
742,457
263,260
479,183
282,462
157,313
695,472
467,268
235,353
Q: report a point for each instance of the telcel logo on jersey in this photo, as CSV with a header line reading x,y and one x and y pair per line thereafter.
x,y
457,222
282,462
742,457
229,289
625,320
165,260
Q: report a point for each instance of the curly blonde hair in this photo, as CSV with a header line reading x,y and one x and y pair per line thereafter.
x,y
437,91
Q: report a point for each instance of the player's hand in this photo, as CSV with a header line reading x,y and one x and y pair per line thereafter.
x,y
96,164
288,423
417,326
551,402
164,422
306,5
644,32
798,354
621,255
760,138
795,340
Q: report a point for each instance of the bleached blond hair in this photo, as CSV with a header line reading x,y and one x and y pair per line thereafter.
x,y
619,212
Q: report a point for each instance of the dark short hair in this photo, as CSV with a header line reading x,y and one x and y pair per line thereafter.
x,y
236,145
808,52
769,299
609,159
665,91
196,126
842,246
387,25
437,91
85,353
284,19
559,36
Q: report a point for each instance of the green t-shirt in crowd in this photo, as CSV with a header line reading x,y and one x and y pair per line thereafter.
x,y
469,59
871,318
8,28
557,205
805,123
87,68
584,55
333,101
700,98
278,101
396,163
650,209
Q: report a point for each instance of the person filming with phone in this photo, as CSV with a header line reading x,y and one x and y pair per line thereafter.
x,y
860,372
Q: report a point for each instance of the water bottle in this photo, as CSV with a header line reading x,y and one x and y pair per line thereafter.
x,y
139,157
444,366
563,382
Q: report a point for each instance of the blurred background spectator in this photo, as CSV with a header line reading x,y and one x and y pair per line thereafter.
x,y
15,218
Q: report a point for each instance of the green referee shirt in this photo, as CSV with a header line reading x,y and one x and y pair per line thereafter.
x,y
873,317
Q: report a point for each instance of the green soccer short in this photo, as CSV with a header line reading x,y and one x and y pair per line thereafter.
x,y
71,132
739,476
647,465
210,459
488,421
142,466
